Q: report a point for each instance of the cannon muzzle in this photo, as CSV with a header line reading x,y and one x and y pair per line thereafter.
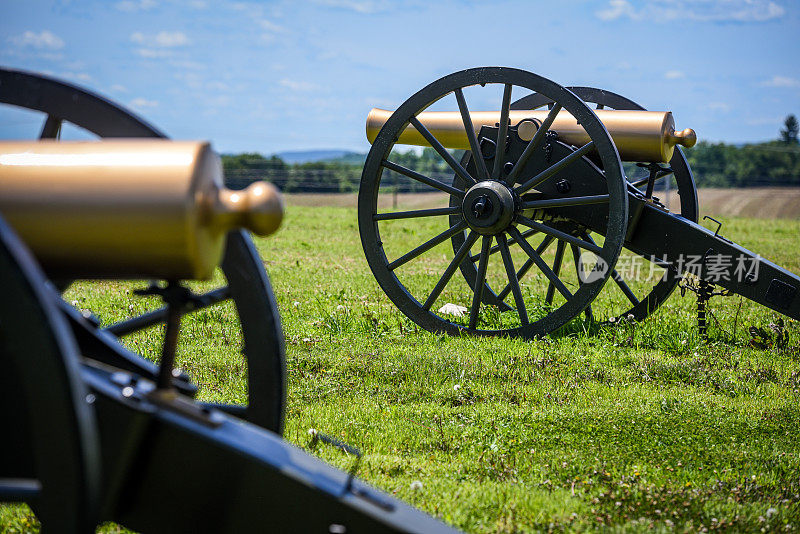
x,y
639,135
127,208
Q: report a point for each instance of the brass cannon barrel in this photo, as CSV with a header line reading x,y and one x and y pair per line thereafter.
x,y
639,135
127,208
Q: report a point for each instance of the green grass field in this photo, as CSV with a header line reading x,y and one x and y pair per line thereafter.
x,y
636,427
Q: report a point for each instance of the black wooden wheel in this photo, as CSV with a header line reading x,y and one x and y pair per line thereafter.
x,y
642,303
50,440
247,283
494,202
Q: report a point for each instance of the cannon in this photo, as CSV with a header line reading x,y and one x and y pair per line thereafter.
x,y
542,172
96,432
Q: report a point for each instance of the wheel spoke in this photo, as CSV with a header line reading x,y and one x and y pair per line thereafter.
x,y
527,265
565,202
480,281
527,233
51,129
540,263
554,169
513,281
624,287
422,178
559,234
448,273
477,155
444,236
442,151
533,144
502,133
619,280
451,210
576,255
556,270
152,318
642,181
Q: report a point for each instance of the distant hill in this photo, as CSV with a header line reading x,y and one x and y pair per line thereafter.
x,y
313,156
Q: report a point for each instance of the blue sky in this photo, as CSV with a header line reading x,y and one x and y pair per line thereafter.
x,y
282,75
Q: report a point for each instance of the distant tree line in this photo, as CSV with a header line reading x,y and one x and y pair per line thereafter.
x,y
773,163
341,175
761,164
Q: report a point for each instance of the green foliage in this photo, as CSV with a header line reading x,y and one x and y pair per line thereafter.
x,y
340,175
790,130
762,164
251,160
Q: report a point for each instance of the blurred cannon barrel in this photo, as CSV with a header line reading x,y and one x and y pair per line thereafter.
x,y
130,208
647,136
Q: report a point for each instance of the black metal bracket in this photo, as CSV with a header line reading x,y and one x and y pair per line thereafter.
x,y
704,290
349,449
719,225
549,138
178,299
656,171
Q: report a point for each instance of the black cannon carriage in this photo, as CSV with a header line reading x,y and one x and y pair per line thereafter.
x,y
544,171
96,432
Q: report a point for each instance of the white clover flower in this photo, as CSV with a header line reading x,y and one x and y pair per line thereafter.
x,y
416,485
296,303
456,387
340,308
453,309
312,432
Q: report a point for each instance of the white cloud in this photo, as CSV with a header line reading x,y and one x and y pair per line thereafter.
x,y
615,10
152,53
297,86
163,39
117,88
143,103
44,40
359,6
271,30
271,26
81,76
695,10
722,107
674,75
781,81
132,6
764,121
251,11
188,64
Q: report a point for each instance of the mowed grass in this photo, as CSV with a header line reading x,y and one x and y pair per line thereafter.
x,y
633,426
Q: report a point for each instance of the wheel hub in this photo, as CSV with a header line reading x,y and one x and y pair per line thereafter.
x,y
489,207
